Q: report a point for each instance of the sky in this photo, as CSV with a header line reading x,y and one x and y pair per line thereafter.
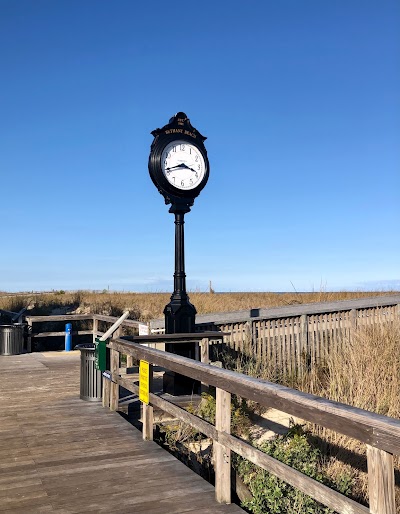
x,y
300,103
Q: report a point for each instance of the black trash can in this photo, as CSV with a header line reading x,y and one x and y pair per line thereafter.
x,y
12,339
91,378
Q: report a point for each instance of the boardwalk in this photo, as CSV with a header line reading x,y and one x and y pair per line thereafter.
x,y
60,454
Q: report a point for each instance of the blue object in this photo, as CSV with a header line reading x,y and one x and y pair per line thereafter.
x,y
68,337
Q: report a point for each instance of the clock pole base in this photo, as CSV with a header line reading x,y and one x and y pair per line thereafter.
x,y
180,318
179,385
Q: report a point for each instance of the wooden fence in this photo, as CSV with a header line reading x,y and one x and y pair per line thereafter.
x,y
97,322
380,434
296,337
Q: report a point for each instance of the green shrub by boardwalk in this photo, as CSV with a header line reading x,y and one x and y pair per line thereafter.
x,y
270,495
274,496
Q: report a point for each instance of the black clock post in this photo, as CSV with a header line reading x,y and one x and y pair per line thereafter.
x,y
179,168
180,314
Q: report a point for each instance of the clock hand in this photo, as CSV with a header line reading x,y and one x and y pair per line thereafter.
x,y
173,167
182,165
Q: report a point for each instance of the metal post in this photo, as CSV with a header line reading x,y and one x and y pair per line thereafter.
x,y
68,337
180,314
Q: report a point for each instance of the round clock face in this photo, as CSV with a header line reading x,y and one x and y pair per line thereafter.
x,y
183,165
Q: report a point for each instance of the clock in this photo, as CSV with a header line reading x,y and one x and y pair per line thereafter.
x,y
178,163
183,164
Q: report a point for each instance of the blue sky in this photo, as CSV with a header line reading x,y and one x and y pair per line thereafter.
x,y
301,106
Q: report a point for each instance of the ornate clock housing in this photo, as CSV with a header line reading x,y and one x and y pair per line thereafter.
x,y
178,163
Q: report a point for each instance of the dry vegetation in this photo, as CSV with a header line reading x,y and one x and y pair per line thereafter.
x,y
367,375
146,306
364,373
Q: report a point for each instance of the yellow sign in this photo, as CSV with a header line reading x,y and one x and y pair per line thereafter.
x,y
144,382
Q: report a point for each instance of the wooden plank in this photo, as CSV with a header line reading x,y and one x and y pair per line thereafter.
x,y
275,343
95,328
114,389
114,327
106,393
221,453
29,339
262,342
60,334
304,346
204,350
61,317
353,322
373,429
380,481
293,363
204,358
323,494
112,319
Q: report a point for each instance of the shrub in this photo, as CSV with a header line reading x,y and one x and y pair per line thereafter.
x,y
270,495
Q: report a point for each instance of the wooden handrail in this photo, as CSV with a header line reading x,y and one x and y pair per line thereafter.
x,y
380,433
59,317
289,311
112,319
371,428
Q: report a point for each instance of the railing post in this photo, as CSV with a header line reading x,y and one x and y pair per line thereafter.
x,y
204,350
252,339
222,455
95,328
114,365
29,339
106,392
303,346
147,412
353,322
205,358
380,481
129,361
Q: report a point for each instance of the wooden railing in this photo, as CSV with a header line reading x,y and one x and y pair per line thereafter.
x,y
296,337
95,320
380,434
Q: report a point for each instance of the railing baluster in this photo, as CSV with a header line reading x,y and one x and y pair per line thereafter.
x,y
380,481
303,346
95,328
222,455
114,364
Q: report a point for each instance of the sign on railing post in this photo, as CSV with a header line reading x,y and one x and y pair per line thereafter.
x,y
145,386
144,382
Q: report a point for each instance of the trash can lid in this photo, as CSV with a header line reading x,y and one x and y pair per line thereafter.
x,y
85,346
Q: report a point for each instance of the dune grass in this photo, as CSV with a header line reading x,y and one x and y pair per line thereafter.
x,y
146,306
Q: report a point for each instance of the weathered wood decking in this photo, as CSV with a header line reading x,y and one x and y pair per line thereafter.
x,y
61,454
